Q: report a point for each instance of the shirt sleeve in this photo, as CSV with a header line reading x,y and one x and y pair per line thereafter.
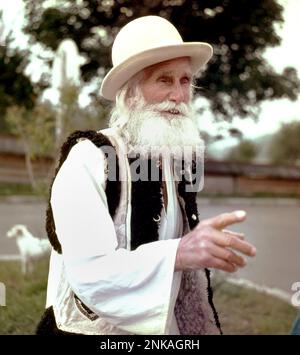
x,y
130,289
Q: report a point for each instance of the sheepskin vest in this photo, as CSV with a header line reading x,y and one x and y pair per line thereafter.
x,y
194,309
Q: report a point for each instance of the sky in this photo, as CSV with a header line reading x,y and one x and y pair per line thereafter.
x,y
273,112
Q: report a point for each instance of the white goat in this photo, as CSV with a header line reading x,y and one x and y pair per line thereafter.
x,y
30,247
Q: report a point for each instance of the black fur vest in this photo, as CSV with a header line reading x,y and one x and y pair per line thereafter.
x,y
144,221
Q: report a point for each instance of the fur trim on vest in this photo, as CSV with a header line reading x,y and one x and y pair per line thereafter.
x,y
112,187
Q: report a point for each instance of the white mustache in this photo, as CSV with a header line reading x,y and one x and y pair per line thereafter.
x,y
182,108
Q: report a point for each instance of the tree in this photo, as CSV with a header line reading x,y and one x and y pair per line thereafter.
x,y
244,152
285,145
238,78
35,128
73,117
15,87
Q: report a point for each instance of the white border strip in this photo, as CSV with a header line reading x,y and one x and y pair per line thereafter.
x,y
12,257
272,291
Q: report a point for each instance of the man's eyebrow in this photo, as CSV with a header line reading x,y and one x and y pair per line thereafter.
x,y
170,73
164,72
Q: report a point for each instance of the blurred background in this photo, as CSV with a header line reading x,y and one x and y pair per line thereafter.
x,y
53,56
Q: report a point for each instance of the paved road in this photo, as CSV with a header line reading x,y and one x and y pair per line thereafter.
x,y
272,226
20,211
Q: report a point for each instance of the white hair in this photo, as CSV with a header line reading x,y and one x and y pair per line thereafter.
x,y
144,127
124,100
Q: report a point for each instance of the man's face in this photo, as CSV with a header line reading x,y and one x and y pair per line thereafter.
x,y
168,81
155,112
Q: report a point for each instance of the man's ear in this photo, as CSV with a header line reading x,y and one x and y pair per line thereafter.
x,y
132,85
129,94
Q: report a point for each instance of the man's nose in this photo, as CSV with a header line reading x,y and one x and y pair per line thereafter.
x,y
177,94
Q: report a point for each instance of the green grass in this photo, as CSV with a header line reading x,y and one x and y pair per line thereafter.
x,y
7,189
25,297
244,311
241,311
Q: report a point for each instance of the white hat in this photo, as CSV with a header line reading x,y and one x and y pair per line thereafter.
x,y
146,41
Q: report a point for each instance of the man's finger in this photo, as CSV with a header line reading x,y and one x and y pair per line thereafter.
x,y
237,234
228,256
230,241
225,219
223,265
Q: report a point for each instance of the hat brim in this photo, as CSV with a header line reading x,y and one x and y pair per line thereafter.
x,y
200,53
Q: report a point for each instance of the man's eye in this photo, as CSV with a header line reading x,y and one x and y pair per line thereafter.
x,y
186,80
163,79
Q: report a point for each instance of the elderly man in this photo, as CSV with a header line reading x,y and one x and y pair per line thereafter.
x,y
129,253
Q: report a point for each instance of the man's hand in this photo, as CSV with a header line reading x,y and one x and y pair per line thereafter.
x,y
209,245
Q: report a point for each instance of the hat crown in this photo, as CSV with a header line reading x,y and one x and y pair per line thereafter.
x,y
146,41
142,34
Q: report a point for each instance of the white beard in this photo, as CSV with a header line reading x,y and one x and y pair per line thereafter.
x,y
149,130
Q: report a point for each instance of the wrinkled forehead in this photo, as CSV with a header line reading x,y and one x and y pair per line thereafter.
x,y
178,66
